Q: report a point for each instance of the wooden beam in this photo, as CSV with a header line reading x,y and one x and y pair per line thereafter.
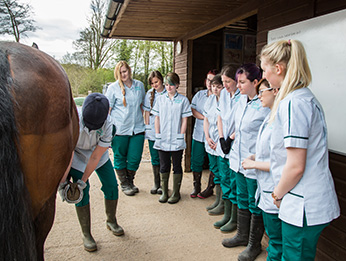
x,y
240,13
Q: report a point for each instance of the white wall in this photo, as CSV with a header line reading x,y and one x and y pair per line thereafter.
x,y
324,39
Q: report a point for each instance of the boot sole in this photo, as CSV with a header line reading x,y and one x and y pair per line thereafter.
x,y
90,249
236,244
215,214
116,234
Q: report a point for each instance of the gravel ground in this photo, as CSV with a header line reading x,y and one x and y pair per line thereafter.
x,y
153,231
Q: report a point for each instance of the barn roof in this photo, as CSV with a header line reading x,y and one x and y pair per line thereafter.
x,y
172,19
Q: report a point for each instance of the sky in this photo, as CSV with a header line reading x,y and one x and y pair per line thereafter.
x,y
60,22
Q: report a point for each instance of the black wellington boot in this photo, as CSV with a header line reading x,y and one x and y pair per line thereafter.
x,y
196,184
124,182
243,225
131,176
83,214
253,248
210,187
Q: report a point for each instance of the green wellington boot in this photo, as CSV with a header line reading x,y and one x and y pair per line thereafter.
x,y
243,228
253,248
83,214
175,197
217,198
219,209
156,189
112,224
164,187
231,225
226,216
124,182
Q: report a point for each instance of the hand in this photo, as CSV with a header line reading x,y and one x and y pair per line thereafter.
x,y
248,163
61,189
211,144
277,203
81,184
226,144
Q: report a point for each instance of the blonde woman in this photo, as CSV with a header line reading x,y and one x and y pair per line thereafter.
x,y
126,97
304,189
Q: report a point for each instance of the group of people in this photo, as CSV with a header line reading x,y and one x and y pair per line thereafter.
x,y
265,137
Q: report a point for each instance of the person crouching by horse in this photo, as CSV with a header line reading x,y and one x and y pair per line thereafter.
x,y
91,153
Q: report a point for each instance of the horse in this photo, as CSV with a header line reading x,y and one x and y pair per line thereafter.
x,y
39,129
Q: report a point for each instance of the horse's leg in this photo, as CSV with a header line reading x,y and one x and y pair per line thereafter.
x,y
43,224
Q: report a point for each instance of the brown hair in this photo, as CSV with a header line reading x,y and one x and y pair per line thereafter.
x,y
264,82
152,75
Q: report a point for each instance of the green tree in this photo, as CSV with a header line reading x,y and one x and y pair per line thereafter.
x,y
95,50
15,19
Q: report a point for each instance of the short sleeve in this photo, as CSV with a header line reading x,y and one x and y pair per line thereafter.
x,y
143,92
156,109
146,104
195,101
295,117
186,112
106,136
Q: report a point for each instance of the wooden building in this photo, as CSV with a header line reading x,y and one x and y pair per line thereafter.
x,y
203,32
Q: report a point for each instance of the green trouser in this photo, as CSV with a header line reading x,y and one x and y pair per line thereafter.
x,y
108,180
128,151
197,156
154,154
246,190
299,243
213,167
272,225
224,171
233,192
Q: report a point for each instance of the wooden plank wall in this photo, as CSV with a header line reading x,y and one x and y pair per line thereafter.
x,y
182,68
273,14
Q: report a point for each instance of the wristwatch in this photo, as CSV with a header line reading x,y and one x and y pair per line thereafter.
x,y
276,198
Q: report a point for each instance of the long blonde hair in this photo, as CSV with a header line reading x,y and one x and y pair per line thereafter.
x,y
117,76
291,55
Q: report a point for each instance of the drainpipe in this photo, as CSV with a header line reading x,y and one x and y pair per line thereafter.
x,y
112,13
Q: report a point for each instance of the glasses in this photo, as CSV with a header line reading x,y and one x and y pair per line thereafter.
x,y
261,91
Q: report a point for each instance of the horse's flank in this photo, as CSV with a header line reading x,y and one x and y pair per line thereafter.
x,y
36,98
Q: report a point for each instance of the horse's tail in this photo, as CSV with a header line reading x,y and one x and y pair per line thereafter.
x,y
17,235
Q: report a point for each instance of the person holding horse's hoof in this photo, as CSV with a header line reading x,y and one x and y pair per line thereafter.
x,y
91,153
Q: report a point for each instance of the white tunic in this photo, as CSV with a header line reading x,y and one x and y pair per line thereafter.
x,y
248,118
150,128
226,110
87,142
265,180
171,112
128,120
197,103
300,123
210,113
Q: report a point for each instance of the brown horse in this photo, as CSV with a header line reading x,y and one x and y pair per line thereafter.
x,y
38,132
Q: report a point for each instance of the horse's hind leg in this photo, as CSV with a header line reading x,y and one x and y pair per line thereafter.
x,y
43,224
